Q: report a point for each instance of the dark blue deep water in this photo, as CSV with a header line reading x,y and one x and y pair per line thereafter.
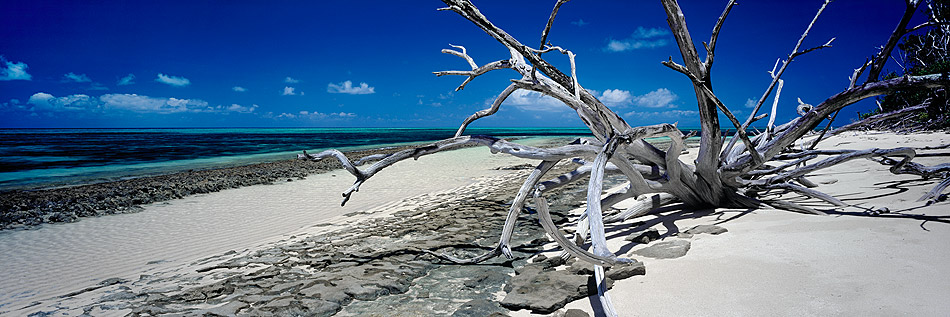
x,y
47,157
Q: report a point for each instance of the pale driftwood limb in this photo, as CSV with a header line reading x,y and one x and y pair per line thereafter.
x,y
781,167
906,152
807,192
504,242
778,93
803,108
857,73
935,192
778,75
544,216
707,160
605,303
368,158
643,206
804,181
494,144
916,169
347,164
594,188
487,112
799,126
784,205
701,86
934,147
547,27
795,155
878,117
825,130
714,37
476,71
881,58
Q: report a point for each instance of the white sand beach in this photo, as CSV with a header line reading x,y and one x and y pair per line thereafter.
x,y
44,264
779,263
770,262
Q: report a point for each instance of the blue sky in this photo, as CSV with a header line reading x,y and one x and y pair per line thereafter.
x,y
370,63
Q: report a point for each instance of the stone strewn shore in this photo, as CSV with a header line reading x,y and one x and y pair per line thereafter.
x,y
376,267
28,208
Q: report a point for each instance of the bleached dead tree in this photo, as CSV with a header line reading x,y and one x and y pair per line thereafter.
x,y
723,175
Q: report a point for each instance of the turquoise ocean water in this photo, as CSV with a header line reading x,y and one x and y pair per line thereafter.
x,y
36,158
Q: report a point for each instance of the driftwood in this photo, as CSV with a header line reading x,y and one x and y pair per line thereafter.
x,y
723,175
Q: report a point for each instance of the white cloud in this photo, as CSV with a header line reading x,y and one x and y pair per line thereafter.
x,y
289,91
616,97
317,115
641,38
580,22
44,102
660,98
127,80
47,102
146,104
750,103
173,80
533,101
13,71
346,87
668,114
74,78
290,80
241,109
239,89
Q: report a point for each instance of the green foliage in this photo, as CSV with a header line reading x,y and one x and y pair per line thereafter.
x,y
923,54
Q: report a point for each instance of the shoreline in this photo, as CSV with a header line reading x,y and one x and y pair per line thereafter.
x,y
29,208
77,264
289,248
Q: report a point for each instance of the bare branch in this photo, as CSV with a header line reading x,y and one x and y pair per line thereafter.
x,y
778,75
711,48
476,71
680,68
877,63
857,73
547,27
933,193
826,45
778,94
785,205
594,188
514,210
494,144
799,126
544,216
643,206
906,152
710,142
782,167
487,112
879,117
807,192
